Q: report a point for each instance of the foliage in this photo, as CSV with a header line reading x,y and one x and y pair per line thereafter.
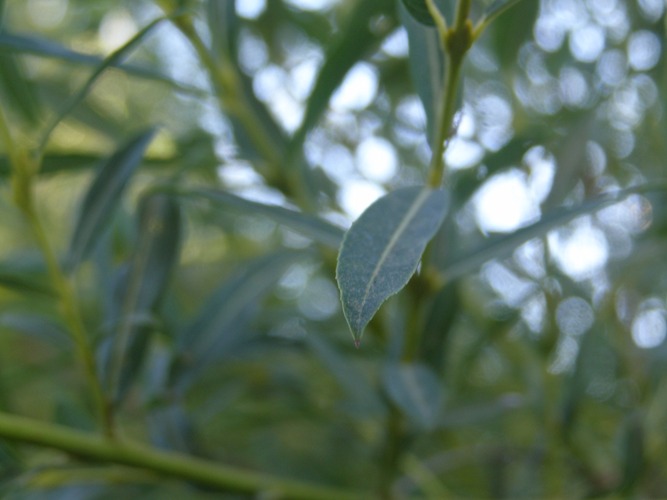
x,y
202,197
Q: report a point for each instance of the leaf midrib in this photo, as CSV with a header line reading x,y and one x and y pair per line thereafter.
x,y
410,215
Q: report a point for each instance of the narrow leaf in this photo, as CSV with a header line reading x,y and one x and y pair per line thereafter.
x,y
502,246
308,225
497,8
226,315
419,10
42,47
382,249
114,58
104,196
416,390
356,40
426,66
152,264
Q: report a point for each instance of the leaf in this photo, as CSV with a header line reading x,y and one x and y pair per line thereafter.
x,y
570,158
308,225
426,67
225,316
501,246
140,290
416,390
497,8
224,26
382,249
363,398
114,58
357,39
103,196
18,89
42,47
419,10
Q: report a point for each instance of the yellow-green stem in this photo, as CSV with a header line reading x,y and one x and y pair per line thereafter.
x,y
23,167
170,464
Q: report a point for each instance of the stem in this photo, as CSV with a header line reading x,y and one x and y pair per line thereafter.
x,y
23,168
72,317
230,93
456,42
171,464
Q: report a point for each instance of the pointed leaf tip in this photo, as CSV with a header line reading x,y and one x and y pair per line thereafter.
x,y
357,343
381,250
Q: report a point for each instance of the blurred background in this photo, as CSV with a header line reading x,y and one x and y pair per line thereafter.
x,y
547,342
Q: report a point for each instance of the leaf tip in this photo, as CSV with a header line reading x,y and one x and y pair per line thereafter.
x,y
357,343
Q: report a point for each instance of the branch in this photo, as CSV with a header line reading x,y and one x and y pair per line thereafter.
x,y
89,446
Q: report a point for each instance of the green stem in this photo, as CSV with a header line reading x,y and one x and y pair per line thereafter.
x,y
230,93
23,168
170,464
456,42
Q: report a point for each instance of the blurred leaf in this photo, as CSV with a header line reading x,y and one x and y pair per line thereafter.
x,y
382,249
426,67
419,10
171,428
308,225
37,325
154,260
497,8
633,454
224,25
500,246
364,399
482,413
111,60
443,310
570,161
357,38
224,318
24,280
103,196
18,89
416,390
42,47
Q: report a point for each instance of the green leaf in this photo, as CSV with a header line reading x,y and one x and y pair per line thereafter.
x,y
356,40
308,225
497,8
419,10
225,317
426,67
43,47
114,58
502,246
416,390
153,262
363,398
103,196
382,249
18,89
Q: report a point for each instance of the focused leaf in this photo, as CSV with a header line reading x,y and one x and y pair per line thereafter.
x,y
140,289
103,196
308,225
416,390
382,250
